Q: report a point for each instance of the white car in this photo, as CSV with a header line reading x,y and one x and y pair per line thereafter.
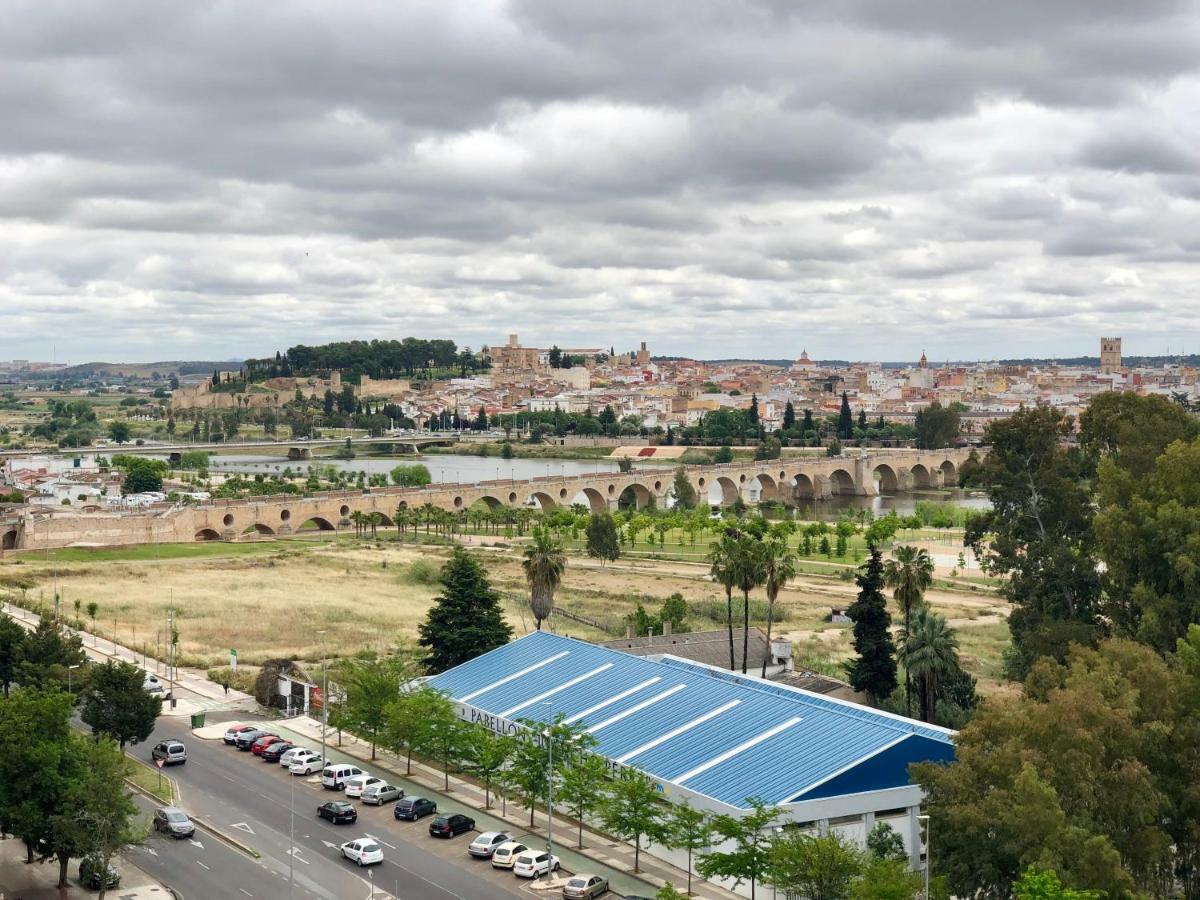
x,y
307,765
485,845
291,756
533,863
356,784
365,851
504,855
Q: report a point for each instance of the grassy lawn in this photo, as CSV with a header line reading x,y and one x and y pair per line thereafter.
x,y
148,778
160,552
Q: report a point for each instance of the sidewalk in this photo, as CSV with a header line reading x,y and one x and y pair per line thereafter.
x,y
601,854
209,696
21,881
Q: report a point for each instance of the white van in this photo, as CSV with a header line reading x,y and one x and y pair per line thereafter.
x,y
334,775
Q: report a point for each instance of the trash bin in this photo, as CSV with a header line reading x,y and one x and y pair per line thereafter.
x,y
198,720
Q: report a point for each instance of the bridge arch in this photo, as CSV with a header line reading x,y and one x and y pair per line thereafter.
x,y
886,478
725,489
922,477
592,498
316,523
544,500
804,487
208,534
841,482
8,540
636,495
258,528
490,502
768,488
949,473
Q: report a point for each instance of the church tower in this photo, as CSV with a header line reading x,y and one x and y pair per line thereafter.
x,y
1110,355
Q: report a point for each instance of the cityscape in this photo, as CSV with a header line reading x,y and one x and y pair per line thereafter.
x,y
463,450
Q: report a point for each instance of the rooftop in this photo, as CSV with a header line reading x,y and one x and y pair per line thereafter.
x,y
714,733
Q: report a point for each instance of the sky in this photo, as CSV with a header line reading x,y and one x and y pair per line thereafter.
x,y
864,179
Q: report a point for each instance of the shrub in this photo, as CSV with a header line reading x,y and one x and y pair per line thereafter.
x,y
423,571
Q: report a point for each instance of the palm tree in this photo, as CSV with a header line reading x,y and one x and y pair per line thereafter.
x,y
779,567
544,564
720,558
909,575
359,520
748,573
929,654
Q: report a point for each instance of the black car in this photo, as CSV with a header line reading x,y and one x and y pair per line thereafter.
x,y
246,738
276,750
413,808
449,826
337,811
90,868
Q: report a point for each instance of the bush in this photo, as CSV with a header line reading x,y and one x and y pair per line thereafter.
x,y
422,571
241,680
714,610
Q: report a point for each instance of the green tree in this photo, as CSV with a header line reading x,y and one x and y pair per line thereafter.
x,y
47,654
506,450
685,494
1040,884
371,687
603,542
929,653
407,719
633,811
789,420
721,558
486,755
415,475
466,620
749,571
723,455
115,704
874,669
1038,532
1132,431
937,426
887,879
744,846
845,426
446,737
778,568
544,564
12,645
120,432
142,475
813,867
884,842
688,829
909,575
752,413
582,786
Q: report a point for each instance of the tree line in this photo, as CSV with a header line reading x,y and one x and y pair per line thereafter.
x,y
407,358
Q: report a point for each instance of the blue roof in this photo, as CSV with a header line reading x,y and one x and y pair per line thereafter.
x,y
712,732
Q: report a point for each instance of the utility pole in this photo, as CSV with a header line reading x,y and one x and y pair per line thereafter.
x,y
324,707
171,652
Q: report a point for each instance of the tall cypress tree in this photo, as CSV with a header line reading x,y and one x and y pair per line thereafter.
x,y
789,415
465,620
809,425
845,419
752,414
874,671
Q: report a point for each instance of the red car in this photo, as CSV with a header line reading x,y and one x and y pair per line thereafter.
x,y
263,743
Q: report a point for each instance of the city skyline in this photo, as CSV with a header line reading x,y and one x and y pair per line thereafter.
x,y
720,179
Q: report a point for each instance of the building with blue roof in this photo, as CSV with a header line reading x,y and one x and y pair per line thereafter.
x,y
711,736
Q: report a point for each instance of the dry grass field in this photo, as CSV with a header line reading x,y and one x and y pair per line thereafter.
x,y
306,600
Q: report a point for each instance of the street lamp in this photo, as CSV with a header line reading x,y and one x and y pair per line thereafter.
x,y
69,668
928,850
550,789
324,699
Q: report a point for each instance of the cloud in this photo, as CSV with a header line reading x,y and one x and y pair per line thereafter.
x,y
866,178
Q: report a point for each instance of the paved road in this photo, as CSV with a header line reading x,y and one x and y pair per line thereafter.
x,y
251,799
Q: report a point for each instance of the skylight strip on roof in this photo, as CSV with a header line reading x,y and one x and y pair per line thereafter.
x,y
636,708
513,677
740,748
611,700
675,732
550,693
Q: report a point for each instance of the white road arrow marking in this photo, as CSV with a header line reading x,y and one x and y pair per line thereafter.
x,y
243,826
151,851
196,843
330,844
295,854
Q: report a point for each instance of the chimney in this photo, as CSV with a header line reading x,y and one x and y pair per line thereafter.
x,y
666,627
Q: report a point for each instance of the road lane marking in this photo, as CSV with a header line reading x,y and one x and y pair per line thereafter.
x,y
195,843
243,826
246,892
202,865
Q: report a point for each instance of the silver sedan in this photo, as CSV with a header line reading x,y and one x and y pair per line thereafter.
x,y
379,794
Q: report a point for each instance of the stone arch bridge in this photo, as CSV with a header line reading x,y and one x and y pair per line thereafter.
x,y
785,480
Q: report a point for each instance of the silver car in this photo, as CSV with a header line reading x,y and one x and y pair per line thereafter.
x,y
379,794
174,822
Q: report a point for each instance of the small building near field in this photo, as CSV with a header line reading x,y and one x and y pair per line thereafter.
x,y
712,737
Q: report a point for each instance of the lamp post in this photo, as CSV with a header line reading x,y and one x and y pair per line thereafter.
x,y
69,668
292,832
928,850
550,789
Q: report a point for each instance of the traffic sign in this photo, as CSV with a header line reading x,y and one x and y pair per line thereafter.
x,y
160,762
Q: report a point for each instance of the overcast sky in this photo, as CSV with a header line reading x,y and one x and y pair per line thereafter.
x,y
865,178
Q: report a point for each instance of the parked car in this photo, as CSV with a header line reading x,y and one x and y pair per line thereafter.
x,y
292,754
170,752
334,775
306,764
485,845
151,685
264,742
90,874
356,783
337,811
505,855
450,826
413,808
276,750
365,851
246,739
379,794
533,863
231,734
174,822
585,887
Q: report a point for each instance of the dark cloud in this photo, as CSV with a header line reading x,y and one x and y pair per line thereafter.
x,y
727,176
